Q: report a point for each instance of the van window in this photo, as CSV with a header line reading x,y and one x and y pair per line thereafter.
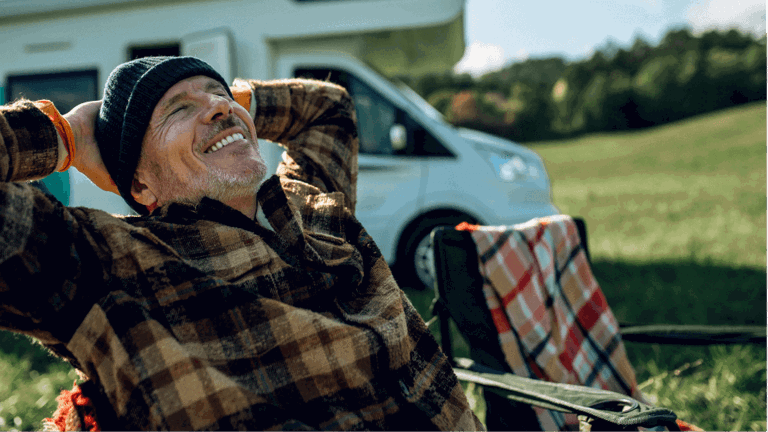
x,y
377,116
66,90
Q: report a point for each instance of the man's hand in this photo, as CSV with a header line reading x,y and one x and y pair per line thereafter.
x,y
87,159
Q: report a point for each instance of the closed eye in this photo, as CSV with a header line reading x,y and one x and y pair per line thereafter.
x,y
178,109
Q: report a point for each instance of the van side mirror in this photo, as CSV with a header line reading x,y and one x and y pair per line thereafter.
x,y
398,137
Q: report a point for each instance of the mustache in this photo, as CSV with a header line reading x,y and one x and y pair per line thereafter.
x,y
223,124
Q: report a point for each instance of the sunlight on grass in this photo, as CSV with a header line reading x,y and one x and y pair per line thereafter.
x,y
29,395
726,387
476,400
676,220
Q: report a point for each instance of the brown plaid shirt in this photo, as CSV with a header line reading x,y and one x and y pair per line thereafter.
x,y
197,317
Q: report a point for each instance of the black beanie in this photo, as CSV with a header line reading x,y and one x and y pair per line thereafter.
x,y
130,95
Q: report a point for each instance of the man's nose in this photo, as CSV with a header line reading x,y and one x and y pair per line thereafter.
x,y
218,108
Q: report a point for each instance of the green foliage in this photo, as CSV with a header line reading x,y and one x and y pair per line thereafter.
x,y
32,379
654,77
441,100
532,73
615,89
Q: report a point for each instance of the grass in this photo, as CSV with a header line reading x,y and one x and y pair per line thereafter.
x,y
676,220
676,217
31,379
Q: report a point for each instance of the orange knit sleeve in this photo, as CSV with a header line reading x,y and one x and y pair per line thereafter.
x,y
242,96
62,127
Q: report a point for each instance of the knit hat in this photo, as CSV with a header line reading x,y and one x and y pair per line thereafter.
x,y
130,95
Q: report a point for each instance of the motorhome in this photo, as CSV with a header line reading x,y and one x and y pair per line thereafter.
x,y
416,171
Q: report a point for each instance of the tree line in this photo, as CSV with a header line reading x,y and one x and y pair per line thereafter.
x,y
615,89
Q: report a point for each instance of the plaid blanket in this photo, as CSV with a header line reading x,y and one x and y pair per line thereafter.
x,y
553,320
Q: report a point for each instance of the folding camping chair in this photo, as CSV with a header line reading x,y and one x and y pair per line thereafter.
x,y
510,398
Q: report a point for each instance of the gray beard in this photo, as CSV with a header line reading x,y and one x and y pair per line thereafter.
x,y
224,187
219,185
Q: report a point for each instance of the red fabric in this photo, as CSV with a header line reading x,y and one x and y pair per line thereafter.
x,y
466,226
74,400
687,426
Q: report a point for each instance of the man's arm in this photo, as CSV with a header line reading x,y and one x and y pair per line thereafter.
x,y
42,249
28,143
87,158
316,122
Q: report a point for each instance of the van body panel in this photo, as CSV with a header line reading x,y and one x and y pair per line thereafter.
x,y
388,193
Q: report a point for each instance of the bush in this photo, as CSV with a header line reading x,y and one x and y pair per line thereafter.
x,y
441,100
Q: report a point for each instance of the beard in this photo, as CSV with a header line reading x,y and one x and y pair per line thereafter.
x,y
222,185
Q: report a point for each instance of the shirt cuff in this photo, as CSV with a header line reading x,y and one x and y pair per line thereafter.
x,y
243,95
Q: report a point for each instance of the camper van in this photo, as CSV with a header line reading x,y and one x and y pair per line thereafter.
x,y
416,171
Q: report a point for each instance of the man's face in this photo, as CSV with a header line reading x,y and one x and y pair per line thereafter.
x,y
200,143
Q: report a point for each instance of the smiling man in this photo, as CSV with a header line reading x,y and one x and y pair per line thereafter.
x,y
192,315
184,159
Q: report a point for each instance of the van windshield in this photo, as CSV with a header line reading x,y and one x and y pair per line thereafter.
x,y
416,100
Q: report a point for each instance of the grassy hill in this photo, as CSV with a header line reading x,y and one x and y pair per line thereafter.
x,y
676,218
695,189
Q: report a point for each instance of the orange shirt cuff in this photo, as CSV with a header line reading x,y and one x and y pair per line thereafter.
x,y
62,127
242,96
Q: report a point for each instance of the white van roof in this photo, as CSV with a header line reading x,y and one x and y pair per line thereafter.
x,y
10,8
390,34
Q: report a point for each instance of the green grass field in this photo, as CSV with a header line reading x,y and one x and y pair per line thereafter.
x,y
676,221
676,217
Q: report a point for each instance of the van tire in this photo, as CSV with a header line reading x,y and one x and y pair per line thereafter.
x,y
415,256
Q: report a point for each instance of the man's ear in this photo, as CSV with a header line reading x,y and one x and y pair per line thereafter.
x,y
141,192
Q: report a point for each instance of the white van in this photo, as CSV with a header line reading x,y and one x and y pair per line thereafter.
x,y
416,170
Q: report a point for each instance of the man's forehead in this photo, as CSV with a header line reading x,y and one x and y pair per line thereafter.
x,y
203,82
181,89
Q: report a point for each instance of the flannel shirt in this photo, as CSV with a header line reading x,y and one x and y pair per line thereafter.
x,y
197,317
553,320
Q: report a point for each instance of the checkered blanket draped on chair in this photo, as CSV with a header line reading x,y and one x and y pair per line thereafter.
x,y
553,320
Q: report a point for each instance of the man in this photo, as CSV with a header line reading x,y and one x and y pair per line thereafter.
x,y
193,315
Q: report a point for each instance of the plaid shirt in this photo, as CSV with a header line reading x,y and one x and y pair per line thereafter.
x,y
197,317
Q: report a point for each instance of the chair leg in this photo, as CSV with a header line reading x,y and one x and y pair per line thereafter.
x,y
503,414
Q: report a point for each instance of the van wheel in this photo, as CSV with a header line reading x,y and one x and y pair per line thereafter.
x,y
415,255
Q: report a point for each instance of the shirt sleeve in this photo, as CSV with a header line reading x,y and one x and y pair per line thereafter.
x,y
42,246
28,143
315,121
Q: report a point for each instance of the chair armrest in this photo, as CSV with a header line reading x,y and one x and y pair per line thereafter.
x,y
608,406
692,334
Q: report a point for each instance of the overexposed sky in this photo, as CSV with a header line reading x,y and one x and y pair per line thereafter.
x,y
499,32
